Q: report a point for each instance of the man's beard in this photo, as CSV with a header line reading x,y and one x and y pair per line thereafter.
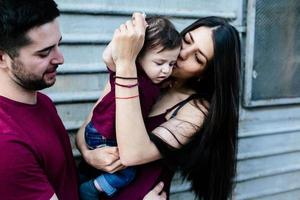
x,y
28,81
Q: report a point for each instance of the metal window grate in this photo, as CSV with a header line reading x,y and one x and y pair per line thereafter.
x,y
275,66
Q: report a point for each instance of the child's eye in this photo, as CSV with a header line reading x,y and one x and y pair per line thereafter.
x,y
158,63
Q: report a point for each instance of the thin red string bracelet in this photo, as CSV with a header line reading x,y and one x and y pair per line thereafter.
x,y
130,97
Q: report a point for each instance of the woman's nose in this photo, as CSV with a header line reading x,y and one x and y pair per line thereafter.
x,y
183,54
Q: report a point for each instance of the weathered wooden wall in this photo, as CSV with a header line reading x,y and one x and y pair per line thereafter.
x,y
269,143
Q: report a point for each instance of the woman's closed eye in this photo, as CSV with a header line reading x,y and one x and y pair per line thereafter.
x,y
187,39
198,59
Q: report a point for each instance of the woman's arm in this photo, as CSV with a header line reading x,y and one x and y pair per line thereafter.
x,y
129,39
174,133
135,146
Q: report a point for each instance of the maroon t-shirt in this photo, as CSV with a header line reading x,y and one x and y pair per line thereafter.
x,y
35,153
104,114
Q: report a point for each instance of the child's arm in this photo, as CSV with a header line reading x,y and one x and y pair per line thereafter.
x,y
107,57
106,158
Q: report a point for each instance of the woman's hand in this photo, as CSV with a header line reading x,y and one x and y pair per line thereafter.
x,y
105,159
128,40
107,57
156,193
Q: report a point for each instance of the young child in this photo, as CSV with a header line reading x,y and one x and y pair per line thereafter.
x,y
155,62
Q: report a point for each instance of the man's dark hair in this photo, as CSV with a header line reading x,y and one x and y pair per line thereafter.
x,y
17,17
160,32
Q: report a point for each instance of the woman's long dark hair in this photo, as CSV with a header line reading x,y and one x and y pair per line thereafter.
x,y
211,161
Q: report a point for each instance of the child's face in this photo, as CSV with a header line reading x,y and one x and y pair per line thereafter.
x,y
158,64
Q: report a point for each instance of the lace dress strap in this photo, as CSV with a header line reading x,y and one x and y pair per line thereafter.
x,y
179,105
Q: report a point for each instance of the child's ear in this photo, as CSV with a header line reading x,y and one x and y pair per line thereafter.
x,y
4,59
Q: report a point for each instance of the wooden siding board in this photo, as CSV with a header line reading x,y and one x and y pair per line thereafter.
x,y
74,112
87,54
287,195
260,187
268,166
268,127
189,8
93,82
268,145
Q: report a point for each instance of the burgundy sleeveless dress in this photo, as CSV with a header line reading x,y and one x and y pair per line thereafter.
x,y
150,174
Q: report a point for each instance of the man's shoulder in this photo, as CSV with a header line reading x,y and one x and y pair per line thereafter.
x,y
8,125
43,97
45,101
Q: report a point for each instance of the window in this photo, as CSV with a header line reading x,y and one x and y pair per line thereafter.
x,y
272,72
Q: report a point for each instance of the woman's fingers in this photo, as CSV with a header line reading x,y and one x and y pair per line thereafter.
x,y
139,18
139,22
106,159
128,41
112,150
102,157
114,167
123,27
156,193
163,196
159,187
129,25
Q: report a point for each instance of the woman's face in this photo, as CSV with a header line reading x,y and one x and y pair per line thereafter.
x,y
197,50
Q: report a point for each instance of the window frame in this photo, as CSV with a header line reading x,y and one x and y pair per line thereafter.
x,y
249,71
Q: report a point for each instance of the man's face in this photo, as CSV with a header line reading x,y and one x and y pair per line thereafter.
x,y
35,66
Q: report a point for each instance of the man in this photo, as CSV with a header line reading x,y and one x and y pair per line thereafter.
x,y
35,154
36,160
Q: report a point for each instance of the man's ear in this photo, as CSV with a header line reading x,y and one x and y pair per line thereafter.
x,y
4,59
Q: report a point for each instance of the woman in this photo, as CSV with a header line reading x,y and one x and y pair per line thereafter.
x,y
194,124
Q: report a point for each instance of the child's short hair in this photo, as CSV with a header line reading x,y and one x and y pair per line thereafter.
x,y
160,32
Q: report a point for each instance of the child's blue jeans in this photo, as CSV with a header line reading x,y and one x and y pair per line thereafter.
x,y
110,183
